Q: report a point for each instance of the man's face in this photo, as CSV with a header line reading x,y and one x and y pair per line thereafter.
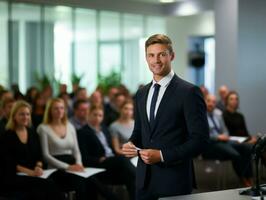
x,y
223,92
82,111
159,59
210,102
96,117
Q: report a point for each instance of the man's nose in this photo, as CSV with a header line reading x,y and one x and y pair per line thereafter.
x,y
157,58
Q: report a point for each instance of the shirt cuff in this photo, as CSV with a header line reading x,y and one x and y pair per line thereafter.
x,y
161,154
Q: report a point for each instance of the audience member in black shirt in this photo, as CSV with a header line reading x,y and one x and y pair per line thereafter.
x,y
6,107
111,109
24,155
234,120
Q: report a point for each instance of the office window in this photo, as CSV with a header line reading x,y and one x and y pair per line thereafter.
x,y
86,47
25,36
110,51
109,26
58,41
4,76
209,72
110,58
133,28
155,25
59,19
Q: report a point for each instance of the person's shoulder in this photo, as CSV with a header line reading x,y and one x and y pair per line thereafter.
x,y
42,127
182,84
217,112
114,125
143,89
70,125
85,129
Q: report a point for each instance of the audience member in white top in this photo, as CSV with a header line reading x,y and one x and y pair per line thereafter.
x,y
61,151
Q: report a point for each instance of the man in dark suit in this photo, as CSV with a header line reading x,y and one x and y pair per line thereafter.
x,y
170,127
95,146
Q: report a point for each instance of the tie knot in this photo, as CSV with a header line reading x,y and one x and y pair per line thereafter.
x,y
156,86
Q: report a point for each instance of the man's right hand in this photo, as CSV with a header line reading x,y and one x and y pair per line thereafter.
x,y
129,150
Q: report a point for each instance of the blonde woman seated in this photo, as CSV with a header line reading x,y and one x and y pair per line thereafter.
x,y
61,151
122,128
23,152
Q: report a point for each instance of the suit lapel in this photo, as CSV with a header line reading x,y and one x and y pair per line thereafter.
x,y
164,102
143,104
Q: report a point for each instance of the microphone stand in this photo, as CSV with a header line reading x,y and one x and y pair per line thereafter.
x,y
256,189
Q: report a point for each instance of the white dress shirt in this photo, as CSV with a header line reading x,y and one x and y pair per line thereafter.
x,y
164,82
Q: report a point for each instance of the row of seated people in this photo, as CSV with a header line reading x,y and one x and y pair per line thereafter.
x,y
122,127
222,125
64,149
38,99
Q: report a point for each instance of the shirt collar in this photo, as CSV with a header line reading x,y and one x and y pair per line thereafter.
x,y
164,82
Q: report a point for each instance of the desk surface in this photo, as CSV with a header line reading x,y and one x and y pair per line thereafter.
x,y
218,195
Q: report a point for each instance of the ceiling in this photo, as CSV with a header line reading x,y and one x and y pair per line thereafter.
x,y
153,1
147,7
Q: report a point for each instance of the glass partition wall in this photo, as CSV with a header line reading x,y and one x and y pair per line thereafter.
x,y
59,41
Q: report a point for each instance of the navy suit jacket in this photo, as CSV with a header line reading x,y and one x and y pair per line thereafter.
x,y
180,132
90,146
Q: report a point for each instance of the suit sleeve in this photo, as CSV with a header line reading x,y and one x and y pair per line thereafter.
x,y
136,134
194,109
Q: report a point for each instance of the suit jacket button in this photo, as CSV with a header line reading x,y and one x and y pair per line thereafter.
x,y
151,140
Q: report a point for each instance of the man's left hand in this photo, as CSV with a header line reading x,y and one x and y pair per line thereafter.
x,y
150,156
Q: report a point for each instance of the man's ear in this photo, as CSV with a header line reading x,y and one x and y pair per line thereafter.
x,y
172,56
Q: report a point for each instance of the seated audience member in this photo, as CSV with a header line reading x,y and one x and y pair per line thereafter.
x,y
223,92
94,142
234,120
3,95
68,103
111,95
81,109
111,110
81,94
38,108
204,91
122,128
61,151
31,94
222,148
6,107
96,98
23,150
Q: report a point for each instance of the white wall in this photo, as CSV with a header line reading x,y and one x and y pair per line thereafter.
x,y
251,63
240,56
179,29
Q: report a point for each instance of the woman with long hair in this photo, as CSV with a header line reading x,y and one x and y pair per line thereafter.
x,y
61,151
122,128
236,125
234,120
24,155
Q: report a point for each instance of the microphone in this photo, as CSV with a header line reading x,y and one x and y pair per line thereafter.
x,y
260,146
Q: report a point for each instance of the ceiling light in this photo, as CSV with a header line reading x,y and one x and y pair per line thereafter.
x,y
167,1
187,8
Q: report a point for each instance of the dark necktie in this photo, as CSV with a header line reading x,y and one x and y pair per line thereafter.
x,y
153,103
214,124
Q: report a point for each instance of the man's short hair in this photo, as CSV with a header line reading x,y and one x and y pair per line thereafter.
x,y
159,39
78,102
